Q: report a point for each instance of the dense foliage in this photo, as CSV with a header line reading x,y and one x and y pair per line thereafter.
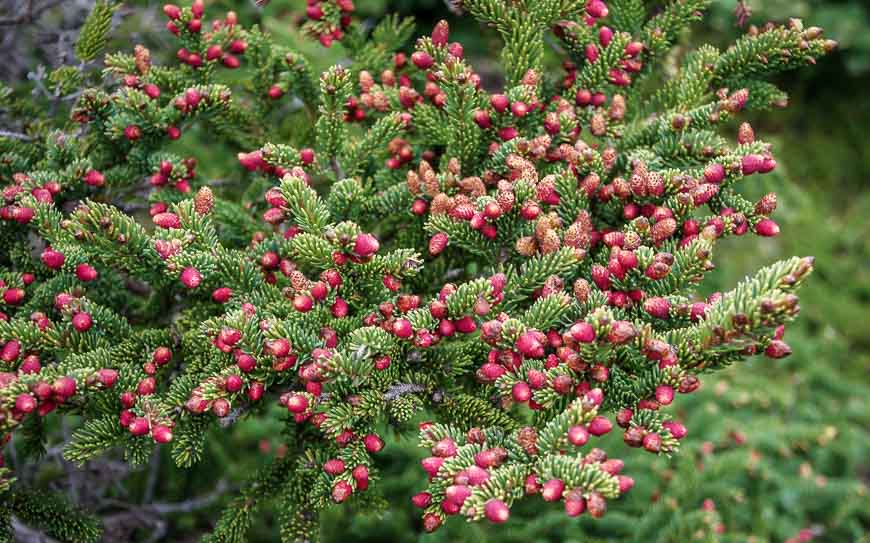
x,y
572,217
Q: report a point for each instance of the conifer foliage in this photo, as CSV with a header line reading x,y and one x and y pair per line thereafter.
x,y
519,263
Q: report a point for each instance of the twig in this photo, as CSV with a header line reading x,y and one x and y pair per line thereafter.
x,y
556,47
233,416
26,534
454,6
192,504
73,475
165,508
336,167
15,135
453,273
153,470
30,14
401,389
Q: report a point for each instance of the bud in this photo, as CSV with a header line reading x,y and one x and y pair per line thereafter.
x,y
431,522
421,500
507,133
605,36
25,403
222,295
432,464
296,403
457,494
490,372
552,490
444,448
596,504
146,386
245,362
752,164
307,156
190,277
600,425
82,321
531,485
482,119
373,443
625,483
360,475
166,220
256,391
441,33
132,132
633,436
596,9
161,434
689,384
745,134
86,273
172,11
314,11
675,428
591,53
621,332
578,435
30,364
334,466
422,60
496,511
214,52
11,350
521,392
767,228
714,173
402,328
203,201
652,442
238,47
601,276
767,204
499,102
529,345
161,356
491,458
303,303
139,426
519,109
777,349
581,290
438,243
341,491
278,347
664,394
365,245
52,259
663,229
582,332
233,383
107,377
657,307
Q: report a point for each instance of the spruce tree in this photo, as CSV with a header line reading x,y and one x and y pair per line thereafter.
x,y
521,264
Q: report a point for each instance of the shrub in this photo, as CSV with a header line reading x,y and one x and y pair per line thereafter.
x,y
520,264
